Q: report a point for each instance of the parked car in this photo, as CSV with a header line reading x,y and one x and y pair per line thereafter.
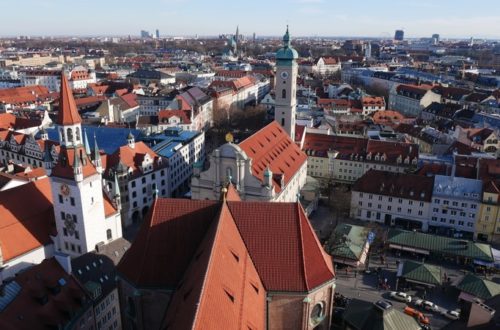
x,y
421,318
452,315
427,305
401,296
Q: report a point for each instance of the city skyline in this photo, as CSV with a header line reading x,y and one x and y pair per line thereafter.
x,y
450,19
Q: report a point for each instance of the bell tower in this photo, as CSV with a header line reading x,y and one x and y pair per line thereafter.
x,y
76,183
286,86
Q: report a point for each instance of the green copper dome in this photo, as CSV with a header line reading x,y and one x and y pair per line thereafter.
x,y
287,53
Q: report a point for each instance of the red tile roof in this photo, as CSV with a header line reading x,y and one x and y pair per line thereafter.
x,y
132,158
283,245
167,242
68,112
272,147
7,120
109,206
220,281
27,312
278,237
399,185
64,167
232,194
21,95
318,145
23,229
372,101
83,101
164,115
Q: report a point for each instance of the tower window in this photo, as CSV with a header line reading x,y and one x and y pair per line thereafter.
x,y
109,235
60,199
283,93
283,122
70,135
72,201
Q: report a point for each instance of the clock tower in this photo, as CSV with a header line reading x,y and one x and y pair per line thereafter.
x,y
286,86
77,192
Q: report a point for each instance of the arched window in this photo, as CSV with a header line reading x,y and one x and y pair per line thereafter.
x,y
283,93
62,134
229,174
77,134
70,135
109,235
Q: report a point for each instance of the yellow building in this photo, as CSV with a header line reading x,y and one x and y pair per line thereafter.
x,y
488,222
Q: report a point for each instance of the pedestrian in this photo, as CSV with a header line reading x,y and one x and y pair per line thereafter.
x,y
385,280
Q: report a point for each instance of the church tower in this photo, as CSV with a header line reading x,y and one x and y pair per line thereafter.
x,y
76,185
286,86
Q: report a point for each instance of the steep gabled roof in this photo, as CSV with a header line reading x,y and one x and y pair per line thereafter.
x,y
220,281
132,158
167,241
278,237
23,229
272,147
68,112
65,165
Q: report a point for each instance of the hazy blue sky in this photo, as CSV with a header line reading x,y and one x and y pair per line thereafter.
x,y
377,18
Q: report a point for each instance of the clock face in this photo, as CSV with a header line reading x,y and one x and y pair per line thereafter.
x,y
284,75
69,223
65,189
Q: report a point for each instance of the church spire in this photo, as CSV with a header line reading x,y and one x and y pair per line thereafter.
x,y
286,38
68,112
97,156
86,142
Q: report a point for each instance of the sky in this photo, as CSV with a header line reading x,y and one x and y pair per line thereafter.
x,y
354,18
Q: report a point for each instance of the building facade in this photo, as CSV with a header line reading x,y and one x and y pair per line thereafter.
x,y
393,199
455,205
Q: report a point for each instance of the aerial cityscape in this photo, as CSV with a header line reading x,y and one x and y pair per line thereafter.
x,y
294,164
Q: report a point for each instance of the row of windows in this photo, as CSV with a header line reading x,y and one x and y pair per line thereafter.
x,y
390,199
454,212
389,208
452,221
454,203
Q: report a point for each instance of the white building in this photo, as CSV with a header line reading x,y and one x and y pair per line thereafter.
x,y
85,215
48,78
140,174
181,149
410,100
393,199
268,166
80,77
455,205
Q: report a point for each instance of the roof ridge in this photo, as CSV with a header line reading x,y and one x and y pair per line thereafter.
x,y
209,263
152,212
302,259
315,238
